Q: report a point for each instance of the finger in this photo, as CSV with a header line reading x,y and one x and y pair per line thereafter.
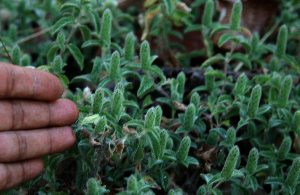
x,y
27,114
13,174
21,145
20,82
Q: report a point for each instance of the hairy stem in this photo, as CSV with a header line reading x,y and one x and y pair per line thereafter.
x,y
6,51
71,34
34,35
225,68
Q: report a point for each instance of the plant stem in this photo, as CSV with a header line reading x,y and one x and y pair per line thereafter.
x,y
34,35
103,53
71,34
280,190
100,152
272,29
218,184
6,51
225,68
162,91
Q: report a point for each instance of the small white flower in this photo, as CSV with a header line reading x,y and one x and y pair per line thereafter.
x,y
87,93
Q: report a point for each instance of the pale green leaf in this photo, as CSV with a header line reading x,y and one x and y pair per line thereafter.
x,y
90,119
146,83
76,54
61,23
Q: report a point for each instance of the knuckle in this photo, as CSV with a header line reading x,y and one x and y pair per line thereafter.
x,y
22,145
17,115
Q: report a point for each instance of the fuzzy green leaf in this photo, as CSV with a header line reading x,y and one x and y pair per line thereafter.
x,y
129,47
240,85
86,32
212,138
101,125
51,53
169,144
208,13
150,119
252,129
158,115
194,27
255,42
132,184
139,154
241,57
281,42
81,78
156,70
114,68
90,43
219,28
165,179
154,143
90,119
76,53
61,41
252,161
274,180
195,99
293,174
169,6
181,82
64,80
236,15
70,4
117,104
209,80
230,163
92,186
191,160
189,117
61,23
254,101
231,136
274,66
225,38
16,55
105,32
96,20
98,101
285,91
201,190
145,55
25,60
183,149
295,126
285,148
146,83
211,61
57,64
163,141
216,73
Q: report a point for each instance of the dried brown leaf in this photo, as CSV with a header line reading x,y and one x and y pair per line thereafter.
x,y
179,106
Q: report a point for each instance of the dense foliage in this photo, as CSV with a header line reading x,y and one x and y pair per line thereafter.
x,y
138,128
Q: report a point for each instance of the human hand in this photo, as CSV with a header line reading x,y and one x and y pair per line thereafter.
x,y
33,122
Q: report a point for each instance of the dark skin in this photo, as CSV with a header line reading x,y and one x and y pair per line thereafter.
x,y
34,122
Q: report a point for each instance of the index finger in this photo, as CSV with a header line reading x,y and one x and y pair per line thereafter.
x,y
26,83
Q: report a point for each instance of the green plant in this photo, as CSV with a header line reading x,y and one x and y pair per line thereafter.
x,y
138,127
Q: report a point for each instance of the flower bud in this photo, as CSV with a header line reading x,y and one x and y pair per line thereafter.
x,y
106,28
183,149
252,161
236,16
230,162
254,101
